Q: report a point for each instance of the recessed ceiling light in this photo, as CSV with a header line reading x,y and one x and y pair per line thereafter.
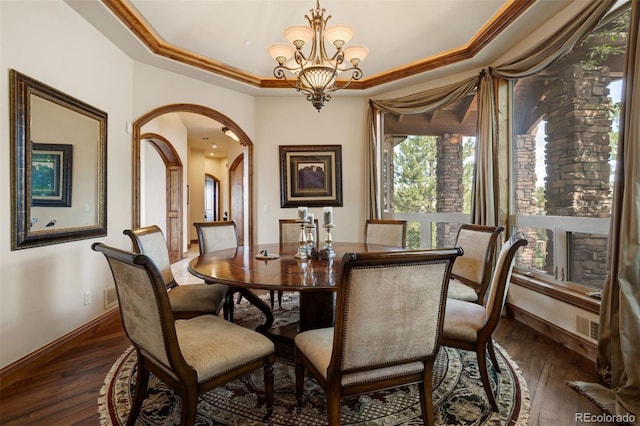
x,y
214,146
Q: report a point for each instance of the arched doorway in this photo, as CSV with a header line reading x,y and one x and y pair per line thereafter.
x,y
248,168
173,173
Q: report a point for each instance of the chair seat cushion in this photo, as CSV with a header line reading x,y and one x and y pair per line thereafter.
x,y
462,320
205,298
460,291
213,346
317,346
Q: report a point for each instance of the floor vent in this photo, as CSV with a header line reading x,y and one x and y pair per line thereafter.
x,y
587,327
110,297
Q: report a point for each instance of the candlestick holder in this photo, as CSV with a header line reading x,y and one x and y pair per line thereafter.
x,y
302,239
310,243
327,242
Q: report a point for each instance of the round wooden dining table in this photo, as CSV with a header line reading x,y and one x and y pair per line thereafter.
x,y
275,267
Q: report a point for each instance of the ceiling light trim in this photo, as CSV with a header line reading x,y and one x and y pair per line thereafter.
x,y
126,13
143,31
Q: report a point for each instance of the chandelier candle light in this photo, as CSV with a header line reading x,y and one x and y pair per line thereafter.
x,y
317,72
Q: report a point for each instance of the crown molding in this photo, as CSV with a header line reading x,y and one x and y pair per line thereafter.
x,y
131,18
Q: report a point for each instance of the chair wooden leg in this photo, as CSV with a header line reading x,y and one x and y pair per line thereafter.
x,y
484,375
426,396
272,297
268,388
189,405
492,355
139,393
333,407
227,309
299,383
279,299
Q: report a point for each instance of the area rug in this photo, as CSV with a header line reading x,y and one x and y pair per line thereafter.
x,y
458,395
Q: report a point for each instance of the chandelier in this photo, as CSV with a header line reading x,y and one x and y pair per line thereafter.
x,y
316,72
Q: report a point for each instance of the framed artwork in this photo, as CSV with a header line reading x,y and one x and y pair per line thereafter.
x,y
51,166
310,175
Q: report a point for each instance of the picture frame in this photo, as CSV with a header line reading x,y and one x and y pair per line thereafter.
x,y
310,175
51,168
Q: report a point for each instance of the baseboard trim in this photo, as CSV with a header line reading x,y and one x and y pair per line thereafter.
x,y
20,369
577,344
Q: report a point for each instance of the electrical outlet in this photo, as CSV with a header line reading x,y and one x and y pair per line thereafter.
x,y
87,297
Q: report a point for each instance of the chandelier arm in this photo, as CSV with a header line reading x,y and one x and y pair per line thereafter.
x,y
300,59
356,74
280,74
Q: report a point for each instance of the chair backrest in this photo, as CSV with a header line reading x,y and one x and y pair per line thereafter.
x,y
475,267
497,292
214,236
144,304
390,308
386,232
150,241
290,231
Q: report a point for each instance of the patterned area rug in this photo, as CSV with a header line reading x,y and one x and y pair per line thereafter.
x,y
459,398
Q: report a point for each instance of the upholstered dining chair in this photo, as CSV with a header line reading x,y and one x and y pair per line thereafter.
x,y
471,273
190,355
380,340
214,236
187,301
469,325
386,232
289,232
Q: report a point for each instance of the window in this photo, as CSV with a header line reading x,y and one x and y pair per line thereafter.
x,y
427,168
565,139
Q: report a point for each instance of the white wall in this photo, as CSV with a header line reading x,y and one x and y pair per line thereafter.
x,y
294,121
42,288
554,311
196,190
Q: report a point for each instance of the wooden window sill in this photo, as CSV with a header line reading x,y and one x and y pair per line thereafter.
x,y
570,296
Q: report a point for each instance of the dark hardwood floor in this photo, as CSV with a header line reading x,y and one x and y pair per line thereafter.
x,y
66,391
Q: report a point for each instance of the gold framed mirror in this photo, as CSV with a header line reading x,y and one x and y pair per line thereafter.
x,y
58,166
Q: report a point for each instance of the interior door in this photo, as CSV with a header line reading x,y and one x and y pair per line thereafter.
x,y
211,199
